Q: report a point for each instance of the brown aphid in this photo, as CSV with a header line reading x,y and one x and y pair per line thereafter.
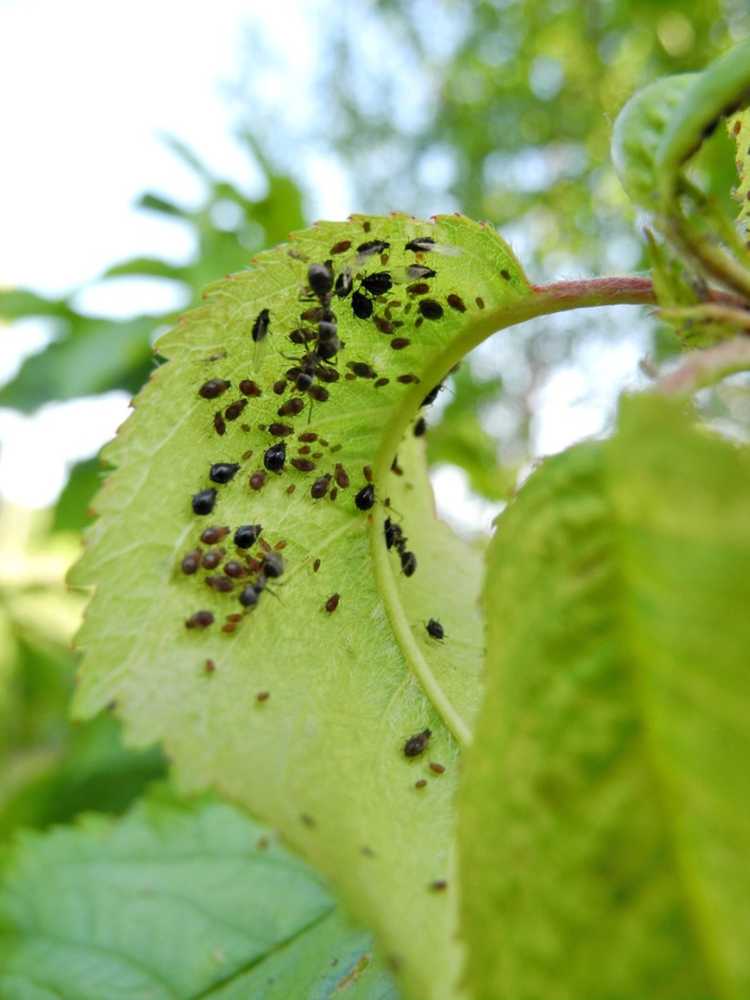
x,y
234,569
333,494
361,369
367,473
341,476
418,288
257,480
212,558
350,377
298,255
319,393
334,448
292,407
395,467
382,324
209,666
436,768
214,534
262,696
249,388
480,302
439,885
219,425
305,449
320,487
280,545
408,379
399,343
379,383
280,430
307,436
199,619
279,386
341,247
213,388
234,617
505,273
191,562
316,565
235,409
328,374
332,603
422,783
317,454
291,488
221,584
229,628
367,226
254,565
303,464
456,302
246,428
417,744
265,545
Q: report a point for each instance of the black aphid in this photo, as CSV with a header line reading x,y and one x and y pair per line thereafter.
x,y
247,535
393,533
421,244
420,427
203,502
319,393
430,309
408,563
303,381
328,349
260,326
249,596
341,247
326,329
361,305
223,472
418,271
343,284
235,409
273,565
213,388
378,283
361,370
280,430
435,629
320,278
200,619
417,744
366,497
372,247
275,457
432,395
292,407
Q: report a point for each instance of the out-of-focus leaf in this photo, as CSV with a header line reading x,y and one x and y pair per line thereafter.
x,y
92,355
21,303
72,508
151,267
739,129
174,901
605,820
152,202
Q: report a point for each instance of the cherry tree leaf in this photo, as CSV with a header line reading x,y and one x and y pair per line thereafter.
x,y
739,129
604,823
301,707
175,900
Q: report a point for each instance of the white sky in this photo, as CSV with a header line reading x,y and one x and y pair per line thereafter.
x,y
86,91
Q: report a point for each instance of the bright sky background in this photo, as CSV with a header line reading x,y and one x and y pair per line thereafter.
x,y
86,91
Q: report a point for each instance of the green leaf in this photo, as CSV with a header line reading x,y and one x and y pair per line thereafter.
x,y
605,825
20,303
72,507
739,129
638,133
322,759
150,267
173,901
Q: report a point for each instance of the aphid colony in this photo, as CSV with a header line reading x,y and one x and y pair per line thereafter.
x,y
304,383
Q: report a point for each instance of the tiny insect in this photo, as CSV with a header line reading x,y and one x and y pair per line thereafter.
x,y
422,783
420,245
505,273
262,696
435,629
408,378
332,603
439,885
280,430
234,569
456,302
260,325
279,386
303,464
214,534
212,558
316,565
383,325
418,288
379,383
408,563
393,534
219,425
308,436
372,247
320,278
213,388
320,487
417,744
378,283
222,472
319,393
249,388
362,306
249,596
418,272
365,498
274,457
191,562
343,284
430,309
420,427
235,409
436,768
273,565
222,584
247,535
203,501
399,343
360,369
199,619
257,480
367,473
341,476
292,407
209,666
341,247
432,395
